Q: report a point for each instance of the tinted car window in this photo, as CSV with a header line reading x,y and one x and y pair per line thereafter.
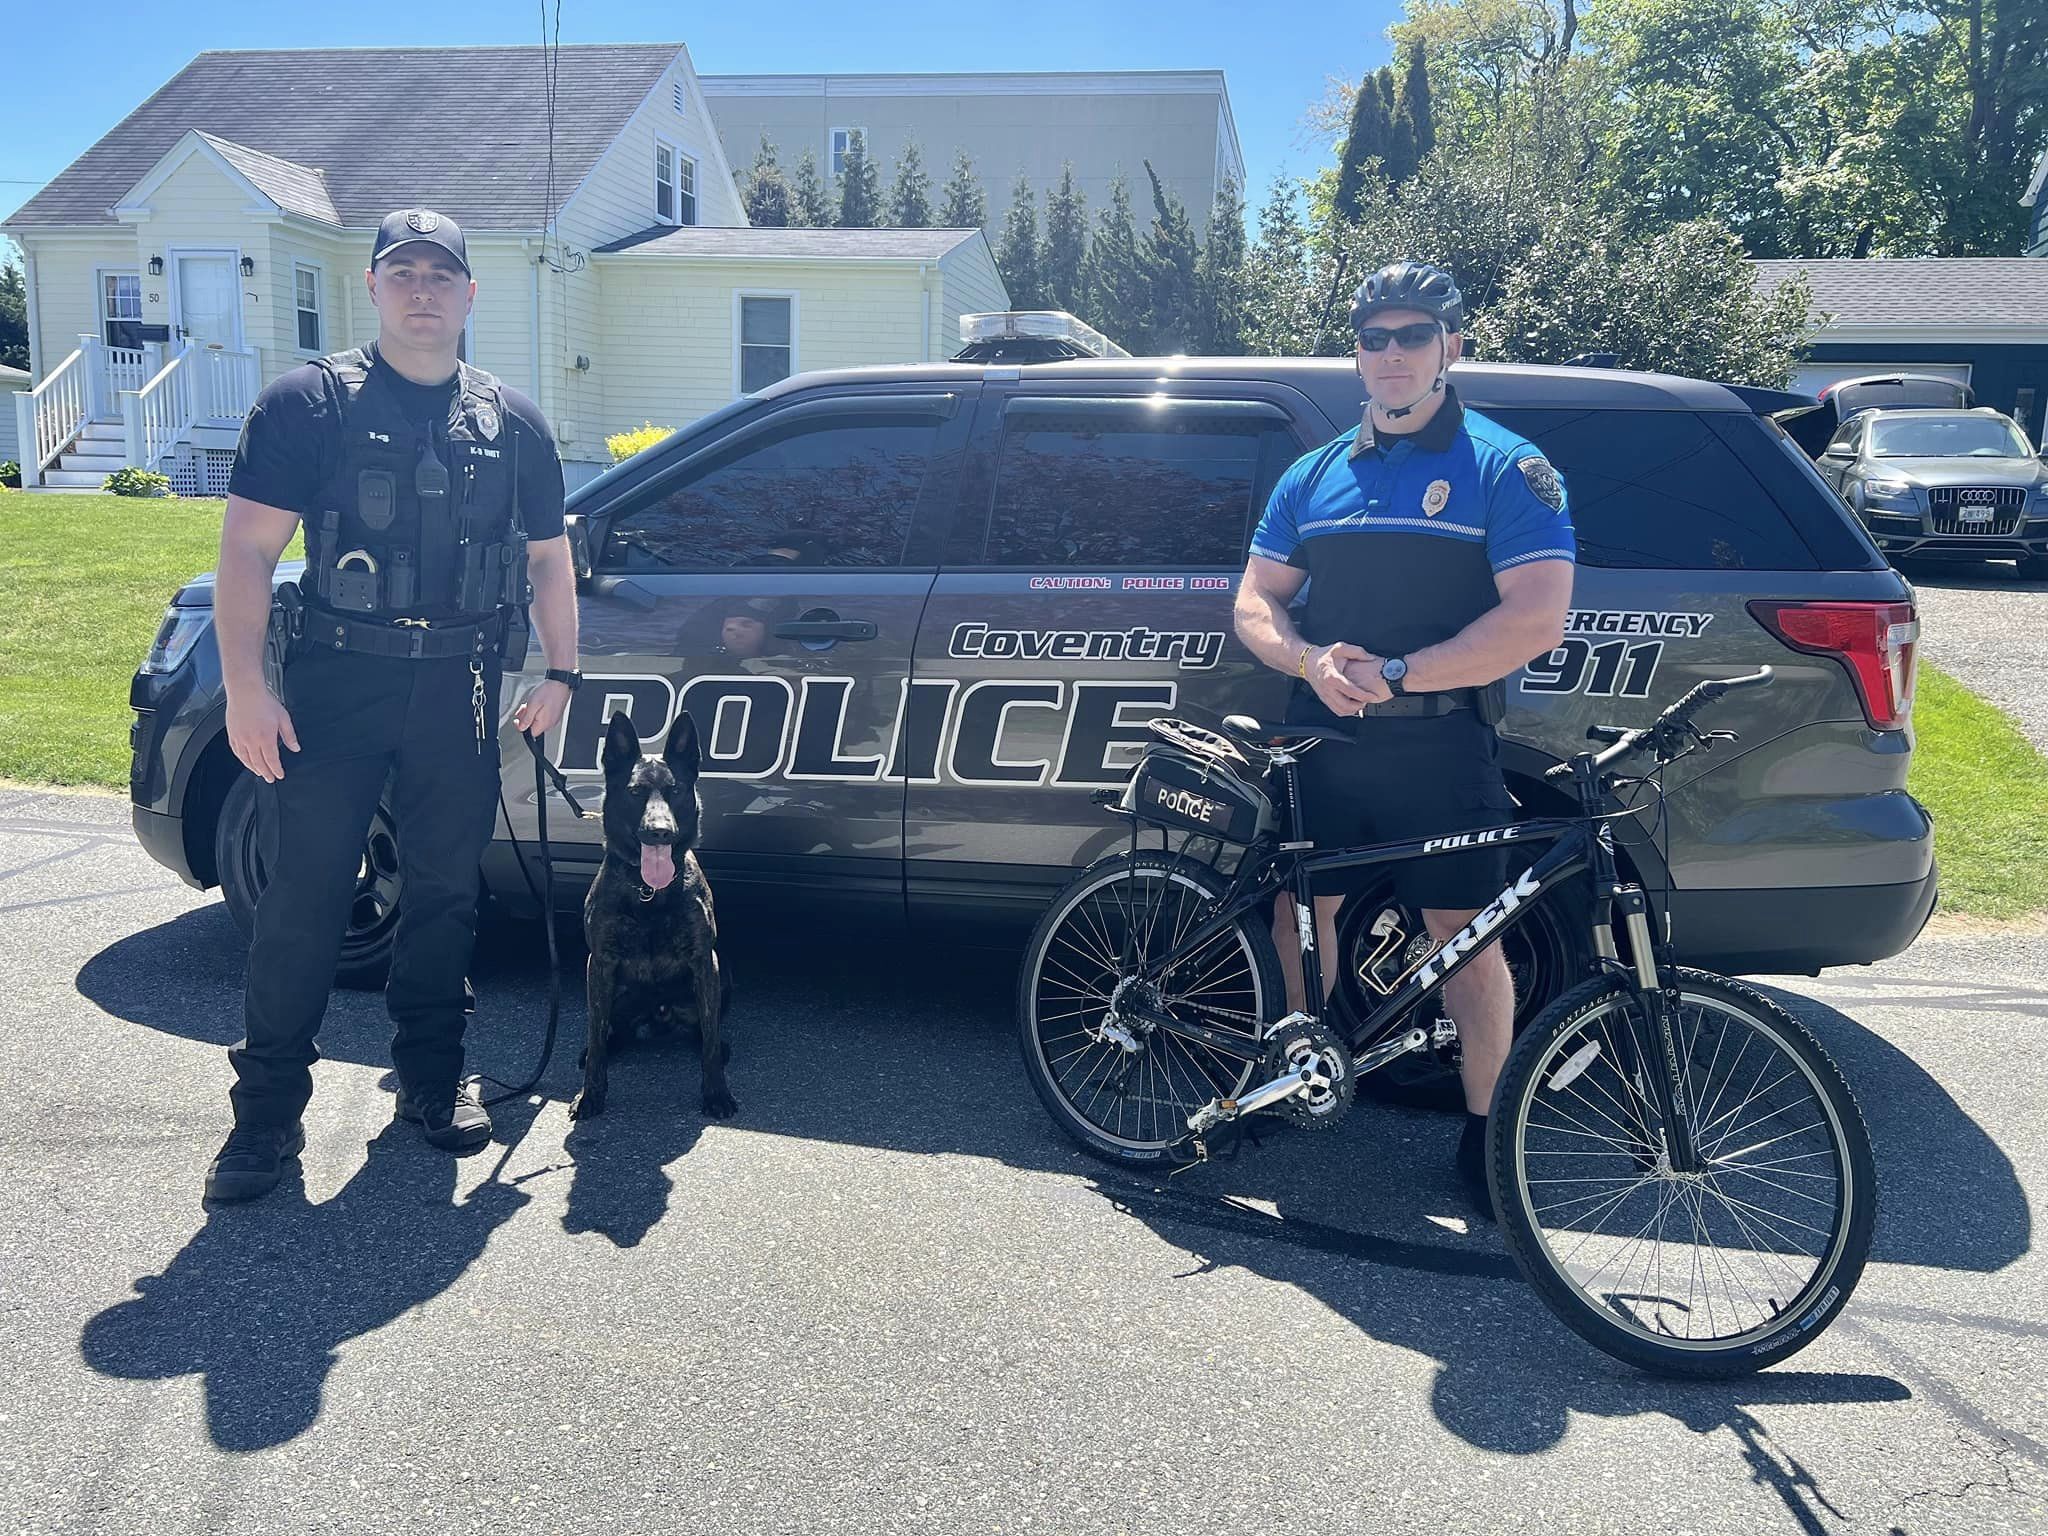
x,y
1976,437
1129,483
837,491
1661,488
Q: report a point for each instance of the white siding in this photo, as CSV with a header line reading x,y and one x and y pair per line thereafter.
x,y
10,445
67,304
971,285
668,329
198,208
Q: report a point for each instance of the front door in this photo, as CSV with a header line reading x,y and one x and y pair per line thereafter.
x,y
209,300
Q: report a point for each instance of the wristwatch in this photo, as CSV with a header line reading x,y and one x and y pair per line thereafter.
x,y
1392,670
569,679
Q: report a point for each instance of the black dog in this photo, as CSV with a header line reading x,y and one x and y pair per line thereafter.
x,y
648,920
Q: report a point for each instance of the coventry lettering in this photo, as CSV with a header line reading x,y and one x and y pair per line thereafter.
x,y
1195,650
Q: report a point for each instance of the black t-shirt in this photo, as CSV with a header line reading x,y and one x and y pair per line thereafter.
x,y
291,443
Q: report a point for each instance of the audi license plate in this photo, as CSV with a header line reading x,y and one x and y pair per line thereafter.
x,y
1973,514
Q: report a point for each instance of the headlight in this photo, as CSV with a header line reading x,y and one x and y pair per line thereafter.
x,y
175,637
1888,490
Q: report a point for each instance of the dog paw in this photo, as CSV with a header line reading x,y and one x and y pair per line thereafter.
x,y
586,1105
720,1104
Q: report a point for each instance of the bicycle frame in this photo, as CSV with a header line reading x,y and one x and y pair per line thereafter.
x,y
1580,846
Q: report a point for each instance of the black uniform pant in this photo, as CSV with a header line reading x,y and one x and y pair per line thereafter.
x,y
362,720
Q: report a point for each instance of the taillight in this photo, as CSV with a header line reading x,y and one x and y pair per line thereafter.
x,y
1875,641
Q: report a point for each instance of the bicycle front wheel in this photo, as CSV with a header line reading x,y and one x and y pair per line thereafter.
x,y
1124,1093
1715,1273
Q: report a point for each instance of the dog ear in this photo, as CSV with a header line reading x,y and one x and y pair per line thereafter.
x,y
681,753
621,744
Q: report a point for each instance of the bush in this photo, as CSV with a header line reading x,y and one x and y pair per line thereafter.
x,y
10,473
625,444
137,482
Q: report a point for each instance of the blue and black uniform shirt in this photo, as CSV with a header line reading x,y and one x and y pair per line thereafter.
x,y
1402,536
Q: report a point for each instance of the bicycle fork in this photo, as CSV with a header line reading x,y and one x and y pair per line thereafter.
x,y
1656,1048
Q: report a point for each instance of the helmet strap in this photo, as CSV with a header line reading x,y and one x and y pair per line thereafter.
x,y
1436,385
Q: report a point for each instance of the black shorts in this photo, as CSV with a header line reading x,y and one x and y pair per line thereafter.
x,y
1411,778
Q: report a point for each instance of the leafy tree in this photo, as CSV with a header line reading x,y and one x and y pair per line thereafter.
x,y
13,317
768,201
910,195
1066,245
1168,256
811,206
966,206
860,190
1017,254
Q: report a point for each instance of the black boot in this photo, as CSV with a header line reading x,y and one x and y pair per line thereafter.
x,y
455,1121
251,1160
1472,1164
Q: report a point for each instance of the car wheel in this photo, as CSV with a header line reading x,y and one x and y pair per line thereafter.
x,y
1384,937
242,854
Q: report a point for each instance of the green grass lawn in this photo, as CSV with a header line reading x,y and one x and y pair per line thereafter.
x,y
84,581
83,584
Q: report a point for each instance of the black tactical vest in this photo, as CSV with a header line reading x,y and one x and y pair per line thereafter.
x,y
418,520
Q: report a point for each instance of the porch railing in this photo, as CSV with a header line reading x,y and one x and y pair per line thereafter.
x,y
153,416
48,417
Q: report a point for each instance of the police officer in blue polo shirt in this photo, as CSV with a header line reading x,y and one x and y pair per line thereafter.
x,y
1438,554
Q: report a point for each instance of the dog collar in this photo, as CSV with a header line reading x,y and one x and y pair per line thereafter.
x,y
641,888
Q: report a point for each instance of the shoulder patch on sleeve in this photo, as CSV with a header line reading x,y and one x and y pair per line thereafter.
x,y
1543,481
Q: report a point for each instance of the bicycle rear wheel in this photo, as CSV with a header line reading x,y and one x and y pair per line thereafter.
x,y
1717,1273
1131,1106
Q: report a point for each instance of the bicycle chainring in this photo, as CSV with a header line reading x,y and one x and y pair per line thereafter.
x,y
1328,1100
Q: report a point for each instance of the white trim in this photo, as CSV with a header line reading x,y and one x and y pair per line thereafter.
x,y
696,196
172,255
319,271
1048,83
35,315
795,306
2039,183
134,203
100,273
674,184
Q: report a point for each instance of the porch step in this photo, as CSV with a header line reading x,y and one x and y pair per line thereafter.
x,y
101,464
103,432
77,479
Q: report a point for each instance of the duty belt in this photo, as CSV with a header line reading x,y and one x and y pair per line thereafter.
x,y
1423,705
407,639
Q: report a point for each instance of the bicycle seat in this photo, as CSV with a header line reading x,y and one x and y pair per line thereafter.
x,y
1269,736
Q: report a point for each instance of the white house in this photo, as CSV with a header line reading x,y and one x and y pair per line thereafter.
x,y
217,236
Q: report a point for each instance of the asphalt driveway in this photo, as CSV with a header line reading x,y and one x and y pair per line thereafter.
x,y
886,1297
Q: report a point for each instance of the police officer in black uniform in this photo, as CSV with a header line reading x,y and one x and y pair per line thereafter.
x,y
1437,551
431,498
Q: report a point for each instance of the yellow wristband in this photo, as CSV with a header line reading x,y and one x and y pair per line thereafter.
x,y
1301,663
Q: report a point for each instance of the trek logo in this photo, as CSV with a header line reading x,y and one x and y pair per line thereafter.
x,y
1473,934
1196,650
1019,732
1474,839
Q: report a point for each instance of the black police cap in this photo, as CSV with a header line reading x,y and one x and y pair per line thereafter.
x,y
420,226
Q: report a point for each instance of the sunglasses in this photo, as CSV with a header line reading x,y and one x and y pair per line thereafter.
x,y
1377,338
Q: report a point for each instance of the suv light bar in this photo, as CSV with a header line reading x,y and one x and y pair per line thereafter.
x,y
1053,333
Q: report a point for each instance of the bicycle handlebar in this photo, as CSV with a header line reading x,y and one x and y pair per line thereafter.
x,y
1667,726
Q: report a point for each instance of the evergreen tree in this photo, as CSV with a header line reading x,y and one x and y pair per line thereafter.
x,y
1017,253
810,205
910,195
1276,285
1168,257
768,200
1066,245
13,318
965,205
1118,295
1415,103
1220,277
860,187
1363,146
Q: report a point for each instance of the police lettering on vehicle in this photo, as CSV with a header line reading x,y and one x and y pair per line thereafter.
x,y
1610,667
1196,650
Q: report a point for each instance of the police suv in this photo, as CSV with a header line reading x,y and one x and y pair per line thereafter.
x,y
921,614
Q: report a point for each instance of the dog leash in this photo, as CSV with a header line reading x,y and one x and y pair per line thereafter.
x,y
546,897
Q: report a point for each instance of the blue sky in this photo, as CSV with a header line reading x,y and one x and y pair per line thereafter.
x,y
1275,58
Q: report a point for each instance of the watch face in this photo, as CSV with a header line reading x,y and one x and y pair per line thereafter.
x,y
1393,669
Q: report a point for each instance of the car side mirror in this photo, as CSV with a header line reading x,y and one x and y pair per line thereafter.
x,y
579,547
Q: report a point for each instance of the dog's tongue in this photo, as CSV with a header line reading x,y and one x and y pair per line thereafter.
x,y
657,865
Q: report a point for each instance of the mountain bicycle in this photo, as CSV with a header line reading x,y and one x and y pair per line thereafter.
x,y
1678,1167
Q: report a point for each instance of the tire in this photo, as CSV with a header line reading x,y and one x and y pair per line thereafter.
x,y
1064,988
1546,952
239,857
1574,1065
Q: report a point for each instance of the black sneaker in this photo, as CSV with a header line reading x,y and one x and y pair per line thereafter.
x,y
251,1160
457,1122
1472,1165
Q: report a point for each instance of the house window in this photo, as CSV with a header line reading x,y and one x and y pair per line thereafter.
x,y
664,182
686,190
842,140
767,340
306,298
121,309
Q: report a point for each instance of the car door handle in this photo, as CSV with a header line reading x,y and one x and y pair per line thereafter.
x,y
625,589
826,629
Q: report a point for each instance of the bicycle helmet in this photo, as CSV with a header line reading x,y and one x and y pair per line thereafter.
x,y
1412,285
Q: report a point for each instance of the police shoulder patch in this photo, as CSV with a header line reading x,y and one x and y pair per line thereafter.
x,y
1543,481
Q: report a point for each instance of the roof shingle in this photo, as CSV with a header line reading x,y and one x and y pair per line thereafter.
x,y
294,188
461,130
1924,290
